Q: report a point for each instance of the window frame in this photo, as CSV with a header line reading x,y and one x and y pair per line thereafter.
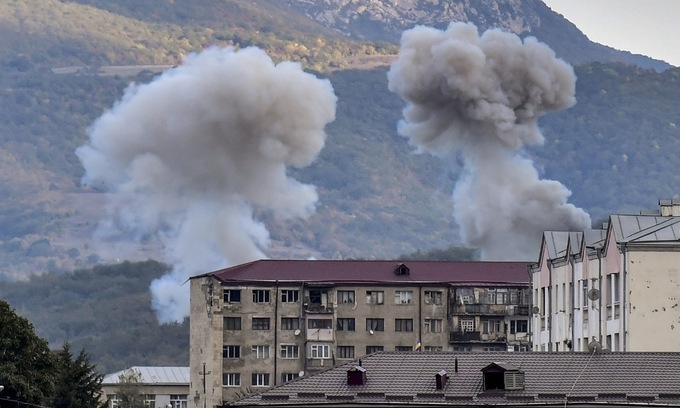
x,y
290,296
231,379
290,323
429,324
375,297
346,297
403,297
289,351
231,351
258,323
436,297
320,324
261,296
320,351
345,352
345,324
374,349
259,380
400,323
228,295
232,323
260,351
375,324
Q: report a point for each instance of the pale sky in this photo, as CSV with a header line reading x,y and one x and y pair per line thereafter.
x,y
647,27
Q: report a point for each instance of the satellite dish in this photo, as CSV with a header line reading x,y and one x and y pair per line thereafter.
x,y
593,294
297,332
594,346
370,331
301,374
536,310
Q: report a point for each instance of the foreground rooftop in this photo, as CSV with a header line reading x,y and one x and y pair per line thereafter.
x,y
414,379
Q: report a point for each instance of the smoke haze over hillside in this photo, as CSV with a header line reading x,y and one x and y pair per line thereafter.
x,y
189,156
478,98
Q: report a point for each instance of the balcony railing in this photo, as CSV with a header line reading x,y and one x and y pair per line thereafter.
x,y
318,308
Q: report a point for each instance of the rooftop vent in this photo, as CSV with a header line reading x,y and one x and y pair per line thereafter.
x,y
402,270
356,376
441,378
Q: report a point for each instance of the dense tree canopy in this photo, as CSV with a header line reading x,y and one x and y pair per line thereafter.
x,y
27,367
78,385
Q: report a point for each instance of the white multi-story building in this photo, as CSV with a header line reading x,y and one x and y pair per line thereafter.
x,y
615,288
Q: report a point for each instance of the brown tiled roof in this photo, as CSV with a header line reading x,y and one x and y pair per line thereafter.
x,y
367,272
610,378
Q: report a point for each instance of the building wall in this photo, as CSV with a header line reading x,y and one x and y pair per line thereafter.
x,y
654,287
304,337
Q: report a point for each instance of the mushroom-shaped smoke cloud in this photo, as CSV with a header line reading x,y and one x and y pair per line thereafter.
x,y
479,97
189,156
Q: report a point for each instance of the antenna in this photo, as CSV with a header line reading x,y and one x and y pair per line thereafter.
x,y
536,310
297,332
594,346
301,374
370,332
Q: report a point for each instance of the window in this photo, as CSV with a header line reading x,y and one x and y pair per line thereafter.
x,y
260,296
285,377
150,400
231,295
232,323
290,323
260,323
319,324
345,296
346,324
260,351
375,324
231,351
616,287
467,325
462,348
179,401
403,348
374,349
432,348
491,296
260,380
403,297
433,325
231,379
585,292
433,297
345,351
375,297
403,325
493,348
290,351
502,296
514,380
519,326
290,296
320,351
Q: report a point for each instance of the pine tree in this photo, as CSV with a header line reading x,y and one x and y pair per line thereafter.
x,y
26,363
77,383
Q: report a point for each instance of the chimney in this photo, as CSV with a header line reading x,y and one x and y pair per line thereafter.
x,y
356,376
670,208
441,377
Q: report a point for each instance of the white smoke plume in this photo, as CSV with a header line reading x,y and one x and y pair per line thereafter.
x,y
190,156
478,98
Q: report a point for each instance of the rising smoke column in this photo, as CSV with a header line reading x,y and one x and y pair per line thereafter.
x,y
189,156
478,98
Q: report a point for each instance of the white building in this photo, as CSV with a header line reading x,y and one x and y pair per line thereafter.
x,y
161,386
618,286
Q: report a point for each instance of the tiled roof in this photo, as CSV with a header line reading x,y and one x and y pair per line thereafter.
x,y
154,375
375,272
549,378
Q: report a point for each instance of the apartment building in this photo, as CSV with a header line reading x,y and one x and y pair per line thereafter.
x,y
263,323
615,288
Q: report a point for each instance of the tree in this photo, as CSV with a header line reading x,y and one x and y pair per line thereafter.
x,y
130,389
77,384
26,363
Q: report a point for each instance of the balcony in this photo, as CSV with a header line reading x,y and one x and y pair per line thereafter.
x,y
318,308
464,337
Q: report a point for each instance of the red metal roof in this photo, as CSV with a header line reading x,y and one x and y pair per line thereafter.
x,y
376,272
